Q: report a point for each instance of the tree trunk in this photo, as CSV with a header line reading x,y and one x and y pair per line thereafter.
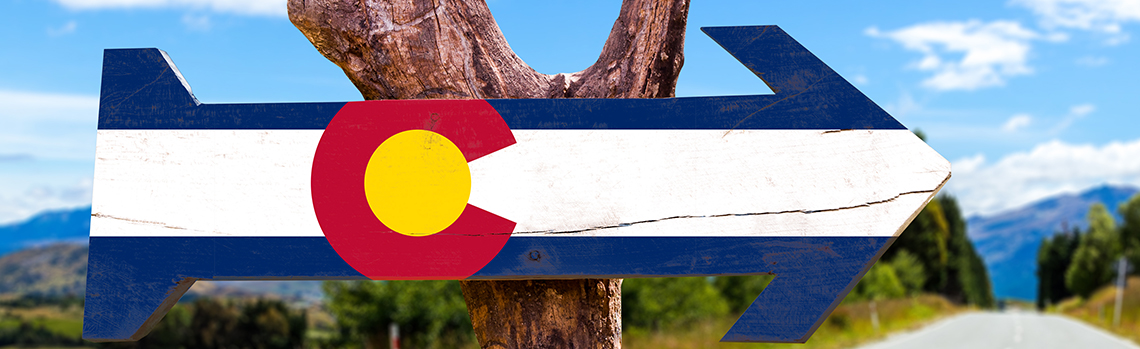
x,y
453,49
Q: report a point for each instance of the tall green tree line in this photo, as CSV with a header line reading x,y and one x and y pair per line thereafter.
x,y
1079,262
932,255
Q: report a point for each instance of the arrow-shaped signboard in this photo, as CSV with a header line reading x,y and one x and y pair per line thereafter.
x,y
810,184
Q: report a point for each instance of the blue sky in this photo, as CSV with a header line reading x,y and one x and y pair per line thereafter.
x,y
1027,98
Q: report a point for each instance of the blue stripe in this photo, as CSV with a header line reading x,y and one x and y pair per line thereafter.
x,y
813,274
269,116
713,113
130,278
141,91
762,112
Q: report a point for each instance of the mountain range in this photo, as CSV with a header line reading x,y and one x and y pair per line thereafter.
x,y
47,255
55,269
1008,241
67,225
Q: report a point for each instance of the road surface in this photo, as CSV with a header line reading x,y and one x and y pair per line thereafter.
x,y
1012,330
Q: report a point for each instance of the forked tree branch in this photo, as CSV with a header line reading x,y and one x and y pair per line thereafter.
x,y
427,49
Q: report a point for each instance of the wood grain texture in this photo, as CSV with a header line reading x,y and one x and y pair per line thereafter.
x,y
204,183
565,313
708,182
649,183
419,49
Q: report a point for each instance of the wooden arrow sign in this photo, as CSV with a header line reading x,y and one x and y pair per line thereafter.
x,y
811,184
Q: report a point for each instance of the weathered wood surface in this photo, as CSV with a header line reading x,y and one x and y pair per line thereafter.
x,y
551,183
416,49
419,49
566,313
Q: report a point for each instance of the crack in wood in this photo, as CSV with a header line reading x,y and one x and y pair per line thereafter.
x,y
164,225
622,225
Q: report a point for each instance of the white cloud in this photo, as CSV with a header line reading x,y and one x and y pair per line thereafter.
x,y
1081,110
1076,112
1103,16
48,125
19,206
199,23
904,106
243,7
860,79
32,106
65,29
989,52
970,164
1092,61
1016,122
1050,168
47,148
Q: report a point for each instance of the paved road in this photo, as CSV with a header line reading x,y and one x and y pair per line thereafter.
x,y
1008,330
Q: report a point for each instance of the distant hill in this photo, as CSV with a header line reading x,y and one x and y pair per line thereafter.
x,y
47,254
61,269
1008,241
57,269
69,225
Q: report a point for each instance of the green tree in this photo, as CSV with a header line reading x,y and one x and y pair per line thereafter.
x,y
208,323
1092,267
430,314
213,323
967,280
659,303
937,240
926,238
172,332
909,271
740,291
270,324
881,282
1130,229
1053,260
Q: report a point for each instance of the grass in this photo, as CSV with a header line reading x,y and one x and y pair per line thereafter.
x,y
66,321
1099,308
849,325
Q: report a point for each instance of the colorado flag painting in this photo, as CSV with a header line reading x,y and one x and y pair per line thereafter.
x,y
810,184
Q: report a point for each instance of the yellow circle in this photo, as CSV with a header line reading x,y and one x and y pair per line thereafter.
x,y
417,182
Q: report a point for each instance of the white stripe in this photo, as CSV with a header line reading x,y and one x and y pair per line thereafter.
x,y
709,182
204,183
573,182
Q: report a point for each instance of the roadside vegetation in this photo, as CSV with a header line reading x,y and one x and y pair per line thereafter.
x,y
57,322
38,321
1100,308
848,326
1078,270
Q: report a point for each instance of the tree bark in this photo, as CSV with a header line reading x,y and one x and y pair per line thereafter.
x,y
453,49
